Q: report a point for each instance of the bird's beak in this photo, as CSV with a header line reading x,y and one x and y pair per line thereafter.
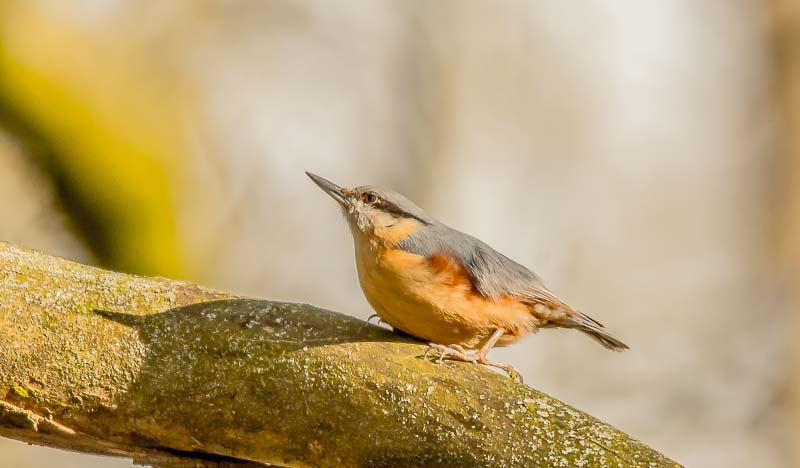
x,y
330,188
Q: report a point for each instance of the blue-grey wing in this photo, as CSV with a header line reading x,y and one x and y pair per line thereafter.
x,y
493,274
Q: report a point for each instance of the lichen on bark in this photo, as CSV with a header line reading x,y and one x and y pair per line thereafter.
x,y
171,374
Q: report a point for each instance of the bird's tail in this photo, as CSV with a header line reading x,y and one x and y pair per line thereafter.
x,y
604,338
595,330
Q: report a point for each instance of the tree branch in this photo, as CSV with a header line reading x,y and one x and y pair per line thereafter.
x,y
174,374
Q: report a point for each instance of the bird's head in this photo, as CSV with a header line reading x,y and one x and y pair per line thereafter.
x,y
381,216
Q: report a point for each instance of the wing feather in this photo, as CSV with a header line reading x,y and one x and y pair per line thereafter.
x,y
494,275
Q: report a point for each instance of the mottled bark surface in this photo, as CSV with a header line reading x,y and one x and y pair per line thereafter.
x,y
173,374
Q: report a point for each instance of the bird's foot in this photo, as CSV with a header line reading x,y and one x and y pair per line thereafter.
x,y
454,352
513,373
457,353
380,320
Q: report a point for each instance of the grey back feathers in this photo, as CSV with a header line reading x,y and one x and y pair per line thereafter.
x,y
492,273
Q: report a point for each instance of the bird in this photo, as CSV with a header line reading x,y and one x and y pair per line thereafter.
x,y
445,287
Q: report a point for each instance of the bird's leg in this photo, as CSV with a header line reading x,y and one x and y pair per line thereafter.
x,y
482,359
458,353
481,355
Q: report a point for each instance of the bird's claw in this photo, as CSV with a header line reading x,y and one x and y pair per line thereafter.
x,y
434,347
454,351
514,374
380,320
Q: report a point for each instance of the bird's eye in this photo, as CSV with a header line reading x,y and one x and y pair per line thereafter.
x,y
370,198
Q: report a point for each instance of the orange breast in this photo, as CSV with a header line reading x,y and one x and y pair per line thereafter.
x,y
434,298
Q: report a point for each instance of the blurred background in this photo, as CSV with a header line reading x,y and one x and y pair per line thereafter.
x,y
641,156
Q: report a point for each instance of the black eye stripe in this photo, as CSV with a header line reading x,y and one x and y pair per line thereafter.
x,y
391,208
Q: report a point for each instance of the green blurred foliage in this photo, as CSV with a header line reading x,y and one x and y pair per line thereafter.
x,y
110,128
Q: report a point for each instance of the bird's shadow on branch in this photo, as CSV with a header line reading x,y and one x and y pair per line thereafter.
x,y
253,367
287,326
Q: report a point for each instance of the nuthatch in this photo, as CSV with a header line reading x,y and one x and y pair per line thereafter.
x,y
444,286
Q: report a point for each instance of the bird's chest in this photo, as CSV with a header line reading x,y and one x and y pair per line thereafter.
x,y
398,285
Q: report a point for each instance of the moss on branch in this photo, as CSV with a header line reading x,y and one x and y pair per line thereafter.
x,y
170,373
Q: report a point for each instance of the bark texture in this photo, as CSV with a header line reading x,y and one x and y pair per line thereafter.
x,y
173,374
